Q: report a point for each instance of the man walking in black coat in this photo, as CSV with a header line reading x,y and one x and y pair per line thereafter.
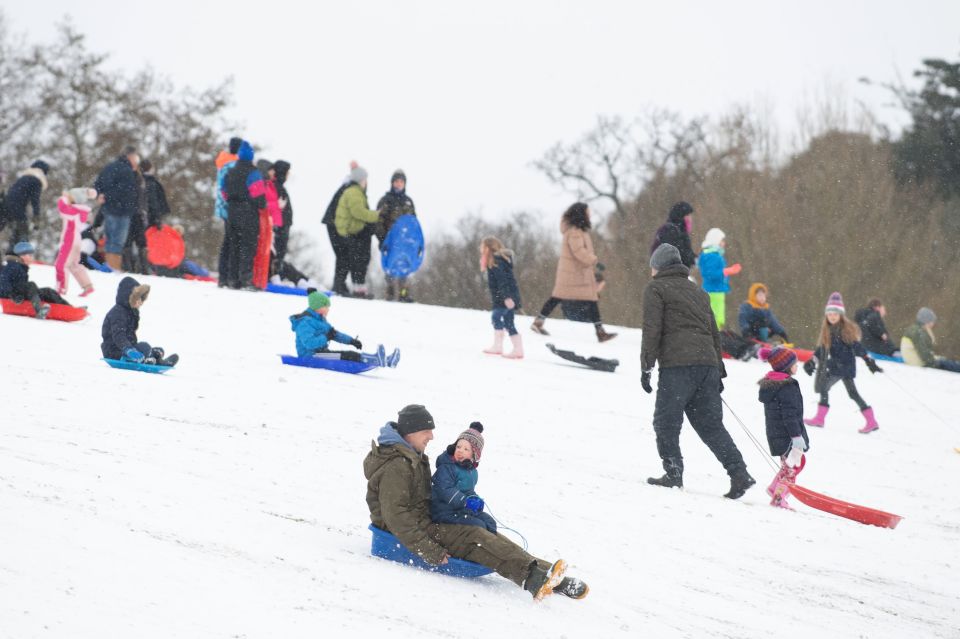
x,y
119,190
22,193
680,332
676,231
155,196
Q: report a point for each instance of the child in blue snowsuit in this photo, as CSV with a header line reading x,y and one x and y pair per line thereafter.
x,y
453,498
783,409
715,273
314,334
119,331
497,262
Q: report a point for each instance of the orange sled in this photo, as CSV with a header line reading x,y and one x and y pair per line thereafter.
x,y
827,504
61,312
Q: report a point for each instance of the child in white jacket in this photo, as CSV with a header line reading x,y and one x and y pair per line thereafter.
x,y
74,213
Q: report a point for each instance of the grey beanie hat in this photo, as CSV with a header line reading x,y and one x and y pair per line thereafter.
x,y
414,418
926,316
665,255
358,174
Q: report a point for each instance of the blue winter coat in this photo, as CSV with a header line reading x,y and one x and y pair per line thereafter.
x,y
314,333
13,277
753,319
502,283
783,409
120,188
119,331
452,484
841,361
711,264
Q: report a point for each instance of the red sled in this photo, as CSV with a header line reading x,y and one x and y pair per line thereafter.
x,y
199,278
803,354
165,247
864,515
61,312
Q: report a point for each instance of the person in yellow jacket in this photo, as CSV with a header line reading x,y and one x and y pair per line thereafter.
x,y
354,222
917,344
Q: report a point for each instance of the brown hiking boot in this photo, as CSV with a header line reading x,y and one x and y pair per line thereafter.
x,y
540,582
537,326
603,335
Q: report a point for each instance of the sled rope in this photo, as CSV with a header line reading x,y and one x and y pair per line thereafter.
x,y
756,442
501,525
917,400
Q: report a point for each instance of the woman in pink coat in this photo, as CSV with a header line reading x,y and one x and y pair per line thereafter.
x,y
74,213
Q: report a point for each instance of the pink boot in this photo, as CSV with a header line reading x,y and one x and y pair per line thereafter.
x,y
772,488
517,352
871,424
497,347
819,418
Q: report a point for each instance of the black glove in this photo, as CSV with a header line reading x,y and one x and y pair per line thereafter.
x,y
645,381
810,366
872,365
356,344
721,385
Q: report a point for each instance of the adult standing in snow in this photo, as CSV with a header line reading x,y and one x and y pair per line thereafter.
x,y
155,196
281,232
680,332
224,162
397,470
354,224
676,231
577,286
875,337
391,206
24,192
119,192
245,194
136,236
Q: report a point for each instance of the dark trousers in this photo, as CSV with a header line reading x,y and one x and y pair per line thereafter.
x,y
281,239
848,383
948,365
136,237
353,257
503,320
694,391
19,232
30,292
243,231
581,311
549,306
223,264
481,546
342,265
734,345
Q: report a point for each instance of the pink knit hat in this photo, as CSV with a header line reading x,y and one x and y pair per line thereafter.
x,y
835,303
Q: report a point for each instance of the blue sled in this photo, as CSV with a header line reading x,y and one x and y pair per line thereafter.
x,y
292,290
136,366
338,365
402,251
103,268
387,546
885,358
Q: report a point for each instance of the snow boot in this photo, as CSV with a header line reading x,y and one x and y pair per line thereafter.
x,y
393,358
819,418
540,582
603,335
391,293
86,291
740,482
497,347
381,356
779,477
871,424
517,352
572,587
673,478
43,311
405,296
537,326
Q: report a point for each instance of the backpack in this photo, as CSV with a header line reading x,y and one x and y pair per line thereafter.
x,y
330,216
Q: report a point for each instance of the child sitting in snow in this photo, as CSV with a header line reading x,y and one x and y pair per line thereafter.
x,y
783,409
314,334
453,499
497,262
119,330
74,212
15,282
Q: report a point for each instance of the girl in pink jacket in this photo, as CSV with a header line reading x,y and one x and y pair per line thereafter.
x,y
74,213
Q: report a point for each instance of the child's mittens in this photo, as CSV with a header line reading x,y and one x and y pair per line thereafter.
x,y
810,366
645,381
474,504
733,269
798,444
133,355
872,365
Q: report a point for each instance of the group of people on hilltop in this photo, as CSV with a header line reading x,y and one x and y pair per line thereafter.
x,y
352,225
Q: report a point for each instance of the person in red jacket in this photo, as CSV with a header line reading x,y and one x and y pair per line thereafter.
x,y
270,214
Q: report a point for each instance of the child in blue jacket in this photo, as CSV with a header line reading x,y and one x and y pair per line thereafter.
x,y
715,273
497,262
453,498
314,334
783,410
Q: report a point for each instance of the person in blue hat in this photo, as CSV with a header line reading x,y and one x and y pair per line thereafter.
x,y
15,282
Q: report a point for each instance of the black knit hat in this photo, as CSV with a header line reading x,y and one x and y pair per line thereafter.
x,y
679,211
234,146
398,175
43,166
414,418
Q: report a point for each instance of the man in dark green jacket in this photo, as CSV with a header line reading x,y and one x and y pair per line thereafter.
x,y
680,332
398,496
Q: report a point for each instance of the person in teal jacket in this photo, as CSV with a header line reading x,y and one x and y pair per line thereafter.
x,y
314,334
715,272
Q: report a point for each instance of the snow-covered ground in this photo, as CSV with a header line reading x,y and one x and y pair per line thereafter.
x,y
226,499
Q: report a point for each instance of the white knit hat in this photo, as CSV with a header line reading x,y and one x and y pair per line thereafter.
x,y
713,238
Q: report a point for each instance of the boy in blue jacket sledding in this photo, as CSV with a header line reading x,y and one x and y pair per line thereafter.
x,y
120,326
453,498
314,334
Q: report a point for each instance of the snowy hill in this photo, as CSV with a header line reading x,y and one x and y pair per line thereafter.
x,y
226,499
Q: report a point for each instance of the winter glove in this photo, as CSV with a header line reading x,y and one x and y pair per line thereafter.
x,y
509,303
733,269
872,365
794,457
133,355
810,366
357,344
798,444
474,504
645,381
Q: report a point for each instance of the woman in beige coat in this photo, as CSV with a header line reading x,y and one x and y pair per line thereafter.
x,y
578,282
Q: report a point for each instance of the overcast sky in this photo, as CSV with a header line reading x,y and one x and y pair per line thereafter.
x,y
463,96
